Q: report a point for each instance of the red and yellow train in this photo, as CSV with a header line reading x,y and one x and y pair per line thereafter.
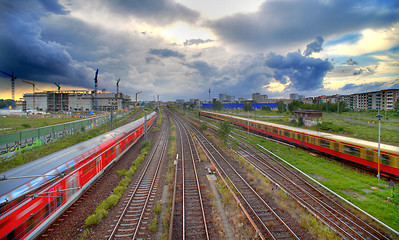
x,y
361,152
32,196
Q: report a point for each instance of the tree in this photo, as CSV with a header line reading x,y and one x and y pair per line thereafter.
x,y
265,108
397,105
281,106
217,105
247,107
224,131
294,105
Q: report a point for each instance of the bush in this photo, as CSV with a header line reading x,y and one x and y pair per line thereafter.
x,y
92,220
119,190
203,127
25,125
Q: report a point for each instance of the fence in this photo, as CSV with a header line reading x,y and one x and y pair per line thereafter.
x,y
18,141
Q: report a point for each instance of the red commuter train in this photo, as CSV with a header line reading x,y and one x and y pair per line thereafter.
x,y
33,195
358,151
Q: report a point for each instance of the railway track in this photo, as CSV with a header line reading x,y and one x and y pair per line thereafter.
x,y
189,218
141,195
330,211
268,223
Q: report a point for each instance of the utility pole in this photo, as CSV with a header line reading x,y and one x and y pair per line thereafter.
x,y
379,141
12,87
33,86
137,93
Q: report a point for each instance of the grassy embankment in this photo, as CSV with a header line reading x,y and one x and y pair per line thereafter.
x,y
363,190
29,155
15,123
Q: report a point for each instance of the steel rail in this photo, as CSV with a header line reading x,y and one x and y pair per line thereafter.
x,y
245,198
325,203
190,165
139,181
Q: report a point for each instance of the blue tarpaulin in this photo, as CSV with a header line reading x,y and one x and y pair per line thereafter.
x,y
240,105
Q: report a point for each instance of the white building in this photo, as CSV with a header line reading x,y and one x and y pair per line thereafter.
x,y
76,100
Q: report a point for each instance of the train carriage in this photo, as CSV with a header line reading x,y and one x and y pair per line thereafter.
x,y
44,188
361,152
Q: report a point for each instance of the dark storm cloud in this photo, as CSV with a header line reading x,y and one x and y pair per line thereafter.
x,y
165,53
366,87
315,46
366,71
26,54
203,68
304,73
161,12
153,60
196,41
351,62
279,23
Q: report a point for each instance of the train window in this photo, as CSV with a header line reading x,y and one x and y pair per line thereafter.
x,y
31,222
106,155
275,130
299,137
287,134
385,159
336,146
352,150
370,155
325,143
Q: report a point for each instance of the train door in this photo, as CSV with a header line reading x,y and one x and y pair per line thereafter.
x,y
117,150
99,164
72,185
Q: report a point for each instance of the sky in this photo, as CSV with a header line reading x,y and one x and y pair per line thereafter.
x,y
178,49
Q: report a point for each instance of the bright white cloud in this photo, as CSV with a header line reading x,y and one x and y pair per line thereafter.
x,y
212,9
181,32
371,41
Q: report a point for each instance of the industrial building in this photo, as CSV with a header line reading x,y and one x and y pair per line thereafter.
x,y
76,100
257,97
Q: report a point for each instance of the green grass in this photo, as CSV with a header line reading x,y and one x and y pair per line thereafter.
x,y
363,190
14,123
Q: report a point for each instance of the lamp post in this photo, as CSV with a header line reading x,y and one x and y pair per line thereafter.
x,y
379,142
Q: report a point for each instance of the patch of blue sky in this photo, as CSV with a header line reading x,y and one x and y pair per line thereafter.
x,y
348,38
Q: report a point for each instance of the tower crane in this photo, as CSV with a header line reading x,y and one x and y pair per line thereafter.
x,y
58,85
95,90
117,86
12,87
137,93
33,86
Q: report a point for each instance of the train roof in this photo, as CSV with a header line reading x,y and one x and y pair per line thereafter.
x,y
54,163
338,138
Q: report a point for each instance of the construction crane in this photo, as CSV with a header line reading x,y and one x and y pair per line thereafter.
x,y
12,87
117,86
33,86
58,85
95,90
137,93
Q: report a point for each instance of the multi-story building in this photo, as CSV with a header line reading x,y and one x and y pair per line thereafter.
x,y
294,96
257,97
76,100
230,98
384,99
222,97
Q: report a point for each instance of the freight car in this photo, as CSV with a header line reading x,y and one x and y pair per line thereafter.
x,y
33,195
360,152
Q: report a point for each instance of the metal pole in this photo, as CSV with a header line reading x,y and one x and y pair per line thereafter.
x,y
248,121
379,142
145,126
